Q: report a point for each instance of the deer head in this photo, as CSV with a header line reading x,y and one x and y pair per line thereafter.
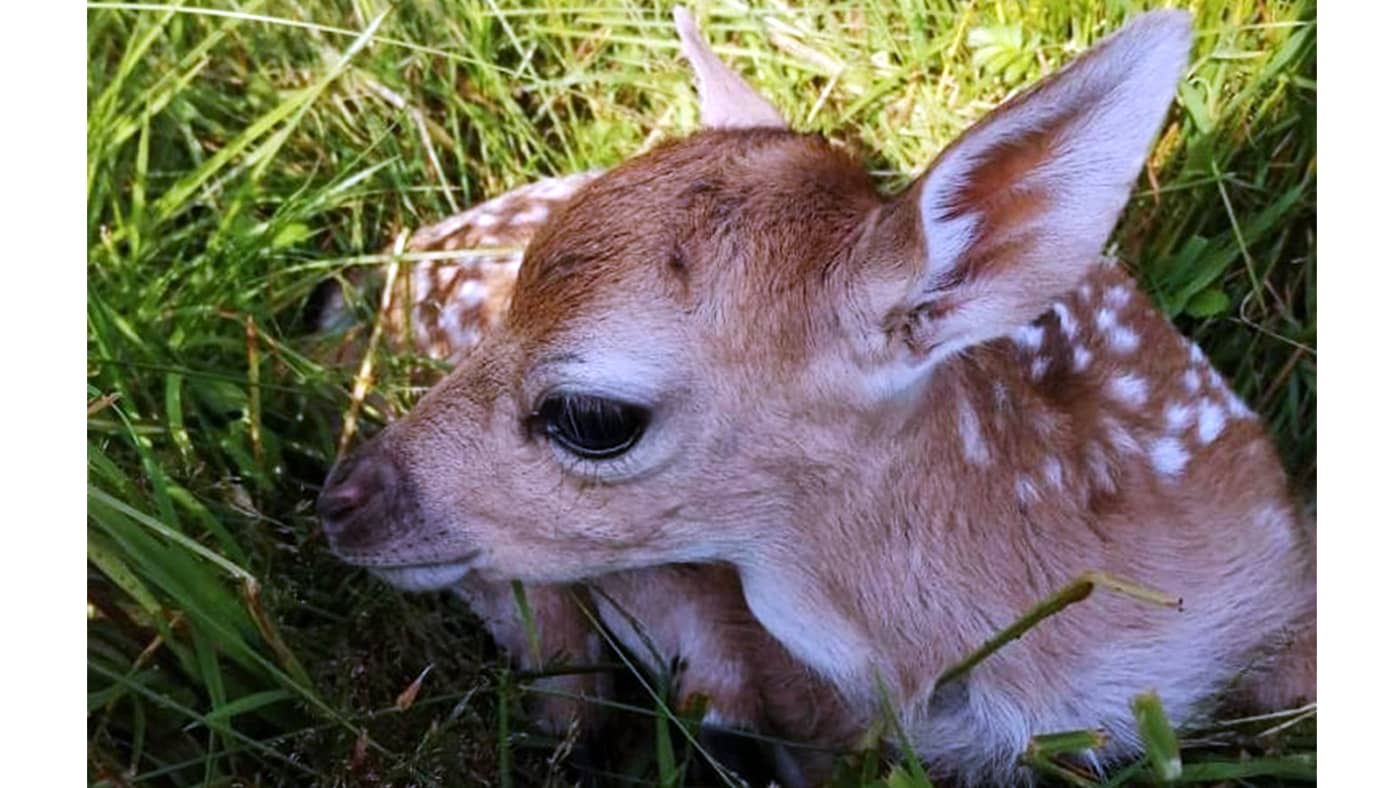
x,y
701,337
734,349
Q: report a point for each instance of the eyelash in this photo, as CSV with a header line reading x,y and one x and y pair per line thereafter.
x,y
586,428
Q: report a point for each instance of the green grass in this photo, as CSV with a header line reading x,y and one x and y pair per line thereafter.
x,y
240,153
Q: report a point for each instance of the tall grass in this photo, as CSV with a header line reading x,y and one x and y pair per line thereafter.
x,y
239,153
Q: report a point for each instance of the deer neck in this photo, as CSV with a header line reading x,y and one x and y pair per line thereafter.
x,y
885,570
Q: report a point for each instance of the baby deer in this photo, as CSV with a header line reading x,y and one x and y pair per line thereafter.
x,y
900,420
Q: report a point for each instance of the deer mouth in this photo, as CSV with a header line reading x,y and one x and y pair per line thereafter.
x,y
427,576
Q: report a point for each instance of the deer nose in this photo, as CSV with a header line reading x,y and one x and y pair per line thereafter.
x,y
355,491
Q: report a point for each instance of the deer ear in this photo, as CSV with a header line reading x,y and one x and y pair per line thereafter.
x,y
726,101
1016,210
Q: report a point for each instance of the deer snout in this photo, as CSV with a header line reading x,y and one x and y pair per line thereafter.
x,y
356,498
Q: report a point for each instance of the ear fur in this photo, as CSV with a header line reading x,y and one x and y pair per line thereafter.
x,y
1017,209
726,101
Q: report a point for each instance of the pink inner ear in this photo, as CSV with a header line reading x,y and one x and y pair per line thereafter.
x,y
1019,207
1004,198
1000,174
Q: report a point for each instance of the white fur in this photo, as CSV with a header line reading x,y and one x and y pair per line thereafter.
x,y
1068,325
559,188
421,282
1026,491
1178,415
1029,336
1123,339
1210,422
834,647
1105,318
535,214
1191,381
424,577
1128,388
974,448
471,293
1082,358
1038,367
1054,474
460,331
1168,456
485,218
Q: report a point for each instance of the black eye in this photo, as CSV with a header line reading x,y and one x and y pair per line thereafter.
x,y
594,428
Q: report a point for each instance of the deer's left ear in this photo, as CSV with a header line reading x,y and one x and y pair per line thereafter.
x,y
1013,213
726,101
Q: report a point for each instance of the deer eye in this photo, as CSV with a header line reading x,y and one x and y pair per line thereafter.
x,y
592,428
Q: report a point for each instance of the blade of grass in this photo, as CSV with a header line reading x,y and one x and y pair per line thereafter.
x,y
1075,591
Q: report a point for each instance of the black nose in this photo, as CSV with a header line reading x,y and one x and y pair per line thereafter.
x,y
356,491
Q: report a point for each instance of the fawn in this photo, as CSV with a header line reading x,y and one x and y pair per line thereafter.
x,y
897,421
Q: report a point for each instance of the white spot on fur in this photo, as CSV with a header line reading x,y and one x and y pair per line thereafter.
x,y
1196,354
1168,456
444,275
1054,474
1068,324
1129,389
1178,415
1191,381
471,293
1117,296
974,448
422,282
486,219
1082,357
1122,339
1210,423
533,215
1086,291
455,325
1029,336
1038,367
557,189
1105,319
1026,491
